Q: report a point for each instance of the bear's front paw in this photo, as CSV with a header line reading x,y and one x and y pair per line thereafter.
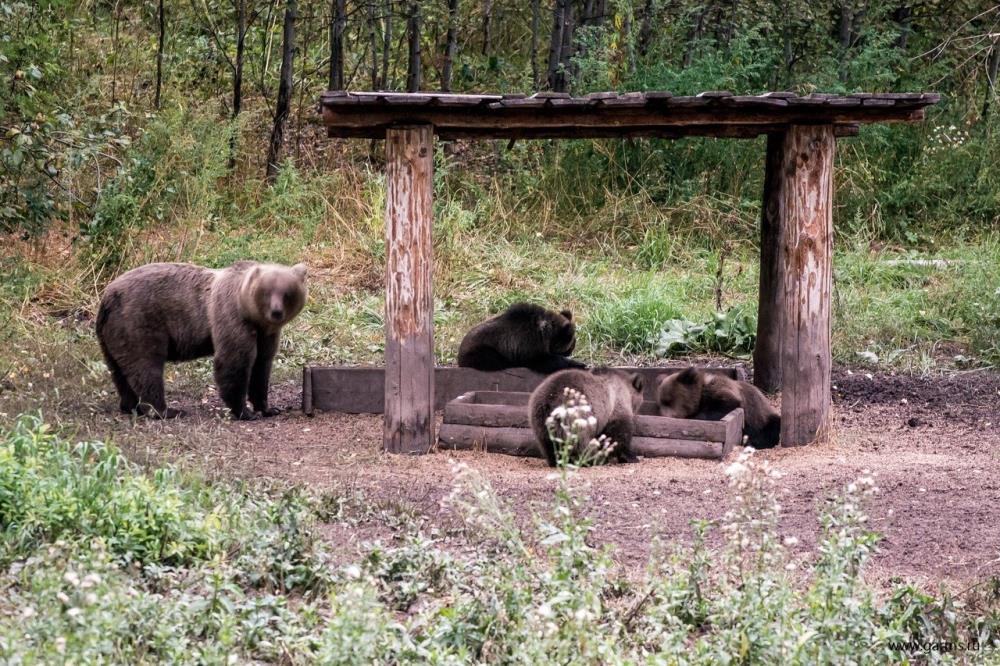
x,y
270,411
167,413
247,415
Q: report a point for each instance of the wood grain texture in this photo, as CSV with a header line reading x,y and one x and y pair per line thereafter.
x,y
733,421
361,390
521,442
658,447
511,441
545,115
409,307
771,293
307,391
806,253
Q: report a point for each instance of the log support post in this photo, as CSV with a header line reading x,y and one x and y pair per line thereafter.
x,y
773,222
409,304
806,258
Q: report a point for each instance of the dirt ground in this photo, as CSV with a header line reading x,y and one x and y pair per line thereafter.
x,y
932,442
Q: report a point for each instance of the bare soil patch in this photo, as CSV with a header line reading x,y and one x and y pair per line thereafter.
x,y
932,442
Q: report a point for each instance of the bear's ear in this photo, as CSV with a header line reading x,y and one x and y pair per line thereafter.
x,y
688,376
300,271
253,274
567,314
637,381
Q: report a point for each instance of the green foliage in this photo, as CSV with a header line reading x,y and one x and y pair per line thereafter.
x,y
256,581
731,332
50,490
630,323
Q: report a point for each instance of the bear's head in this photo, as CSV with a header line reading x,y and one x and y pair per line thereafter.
x,y
272,295
563,333
679,394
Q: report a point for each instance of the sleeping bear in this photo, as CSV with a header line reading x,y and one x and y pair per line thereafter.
x,y
696,394
524,335
178,312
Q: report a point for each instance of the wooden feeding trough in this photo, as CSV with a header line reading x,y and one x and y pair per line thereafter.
x,y
498,422
361,390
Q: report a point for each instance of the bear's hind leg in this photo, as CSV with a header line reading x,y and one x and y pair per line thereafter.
x,y
128,399
619,431
147,381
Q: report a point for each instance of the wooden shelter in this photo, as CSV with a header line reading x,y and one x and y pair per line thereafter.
x,y
793,327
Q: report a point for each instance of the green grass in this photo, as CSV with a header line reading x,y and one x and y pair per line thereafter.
x,y
102,562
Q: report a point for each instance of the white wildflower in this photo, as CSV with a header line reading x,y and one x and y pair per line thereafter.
x,y
791,541
71,578
73,612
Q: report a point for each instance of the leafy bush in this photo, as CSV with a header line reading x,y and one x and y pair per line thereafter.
x,y
731,332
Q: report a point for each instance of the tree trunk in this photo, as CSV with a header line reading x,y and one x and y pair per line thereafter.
x,y
991,76
646,29
487,27
535,19
555,76
449,46
373,42
695,38
386,43
806,256
902,16
114,54
159,54
409,302
338,20
284,91
413,36
845,36
771,291
568,46
241,32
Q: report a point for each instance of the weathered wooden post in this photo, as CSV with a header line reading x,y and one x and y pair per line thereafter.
x,y
806,255
409,303
771,291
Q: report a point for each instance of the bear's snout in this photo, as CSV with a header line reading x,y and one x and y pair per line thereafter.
x,y
277,314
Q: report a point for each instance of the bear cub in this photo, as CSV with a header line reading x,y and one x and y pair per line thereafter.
x,y
614,397
696,394
522,336
179,312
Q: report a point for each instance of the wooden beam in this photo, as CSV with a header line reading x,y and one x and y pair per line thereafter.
x,y
771,293
361,390
637,132
806,254
409,305
549,122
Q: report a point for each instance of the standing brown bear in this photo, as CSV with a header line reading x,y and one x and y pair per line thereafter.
x,y
179,312
696,394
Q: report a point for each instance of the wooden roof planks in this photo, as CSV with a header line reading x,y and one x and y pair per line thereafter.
x,y
609,114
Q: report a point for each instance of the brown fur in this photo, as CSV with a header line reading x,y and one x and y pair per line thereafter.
x,y
614,397
178,312
523,335
696,394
